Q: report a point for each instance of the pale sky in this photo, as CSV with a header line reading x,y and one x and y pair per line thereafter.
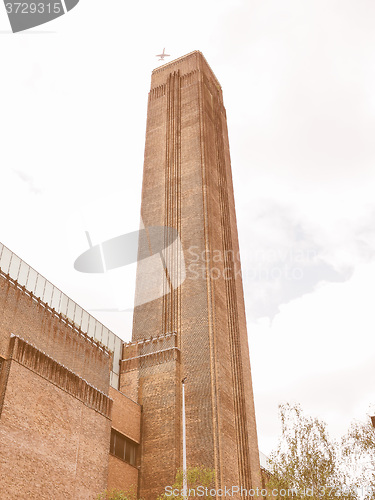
x,y
298,79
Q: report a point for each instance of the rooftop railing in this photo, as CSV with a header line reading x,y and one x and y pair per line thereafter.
x,y
48,293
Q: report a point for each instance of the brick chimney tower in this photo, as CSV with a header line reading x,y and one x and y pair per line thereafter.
x,y
189,319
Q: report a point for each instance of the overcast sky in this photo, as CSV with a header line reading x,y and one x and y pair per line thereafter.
x,y
298,78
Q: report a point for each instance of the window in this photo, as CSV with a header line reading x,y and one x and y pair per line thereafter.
x,y
123,447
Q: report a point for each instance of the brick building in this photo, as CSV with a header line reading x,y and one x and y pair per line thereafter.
x,y
201,324
62,419
79,409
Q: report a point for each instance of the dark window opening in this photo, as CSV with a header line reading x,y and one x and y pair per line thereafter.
x,y
123,447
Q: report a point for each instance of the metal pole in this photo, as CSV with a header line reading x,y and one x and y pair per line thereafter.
x,y
184,468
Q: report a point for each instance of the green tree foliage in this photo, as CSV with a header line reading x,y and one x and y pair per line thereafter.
x,y
196,477
307,464
359,451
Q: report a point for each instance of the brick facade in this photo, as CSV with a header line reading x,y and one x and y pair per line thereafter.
x,y
58,413
187,186
29,318
153,366
126,418
54,430
56,406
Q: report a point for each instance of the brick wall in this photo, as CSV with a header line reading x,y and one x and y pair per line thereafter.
x,y
25,316
126,418
187,184
158,367
126,415
55,413
121,476
53,445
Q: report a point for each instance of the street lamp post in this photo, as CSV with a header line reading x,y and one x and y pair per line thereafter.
x,y
184,468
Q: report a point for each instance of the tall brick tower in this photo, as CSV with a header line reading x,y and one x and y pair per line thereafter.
x,y
193,324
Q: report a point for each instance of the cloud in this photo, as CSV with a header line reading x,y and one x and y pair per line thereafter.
x,y
286,260
337,399
29,181
318,351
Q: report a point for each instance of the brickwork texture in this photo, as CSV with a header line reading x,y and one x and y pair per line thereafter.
x,y
187,185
